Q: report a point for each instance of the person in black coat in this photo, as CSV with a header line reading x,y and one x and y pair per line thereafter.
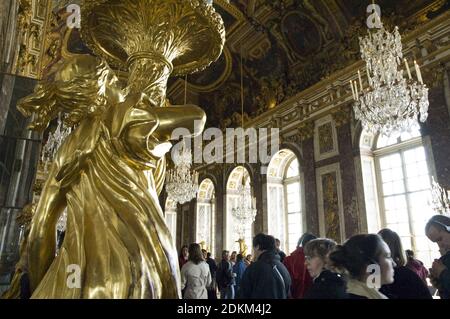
x,y
224,277
326,284
407,284
267,277
212,291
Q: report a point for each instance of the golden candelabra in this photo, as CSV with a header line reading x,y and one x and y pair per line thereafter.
x,y
116,240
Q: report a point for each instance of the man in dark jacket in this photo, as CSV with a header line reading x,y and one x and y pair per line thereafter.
x,y
224,277
266,278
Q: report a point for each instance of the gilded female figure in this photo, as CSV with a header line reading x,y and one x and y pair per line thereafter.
x,y
116,238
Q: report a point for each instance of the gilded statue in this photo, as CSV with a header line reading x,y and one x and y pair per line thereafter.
x,y
242,247
98,175
116,239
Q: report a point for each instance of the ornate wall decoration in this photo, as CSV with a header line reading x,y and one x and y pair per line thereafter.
x,y
352,210
325,138
295,138
329,190
342,115
330,206
306,130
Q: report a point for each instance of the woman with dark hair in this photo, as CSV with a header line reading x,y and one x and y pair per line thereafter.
x,y
184,255
406,285
295,264
326,284
195,275
359,257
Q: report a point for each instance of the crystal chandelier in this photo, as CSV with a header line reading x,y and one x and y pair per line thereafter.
x,y
181,182
391,104
62,222
54,141
245,211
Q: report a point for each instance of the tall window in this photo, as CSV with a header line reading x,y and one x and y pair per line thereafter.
x,y
170,217
284,199
397,187
237,176
205,215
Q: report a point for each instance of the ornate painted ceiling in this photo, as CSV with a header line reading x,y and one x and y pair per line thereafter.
x,y
286,46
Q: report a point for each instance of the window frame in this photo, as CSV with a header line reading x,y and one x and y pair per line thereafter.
x,y
286,182
400,148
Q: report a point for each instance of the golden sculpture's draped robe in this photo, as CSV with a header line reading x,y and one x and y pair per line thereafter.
x,y
115,230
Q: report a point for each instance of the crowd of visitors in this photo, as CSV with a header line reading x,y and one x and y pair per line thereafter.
x,y
365,266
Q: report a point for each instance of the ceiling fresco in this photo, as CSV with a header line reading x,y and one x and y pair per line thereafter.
x,y
286,47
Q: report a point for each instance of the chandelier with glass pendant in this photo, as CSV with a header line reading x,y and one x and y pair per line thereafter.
x,y
244,212
181,181
392,103
54,142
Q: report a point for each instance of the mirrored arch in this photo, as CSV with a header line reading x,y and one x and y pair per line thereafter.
x,y
170,216
237,176
284,199
205,221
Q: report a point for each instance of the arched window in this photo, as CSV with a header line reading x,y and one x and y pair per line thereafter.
x,y
397,188
284,202
237,177
170,215
205,214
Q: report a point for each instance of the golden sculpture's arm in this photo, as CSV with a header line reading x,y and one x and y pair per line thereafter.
x,y
190,117
137,126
